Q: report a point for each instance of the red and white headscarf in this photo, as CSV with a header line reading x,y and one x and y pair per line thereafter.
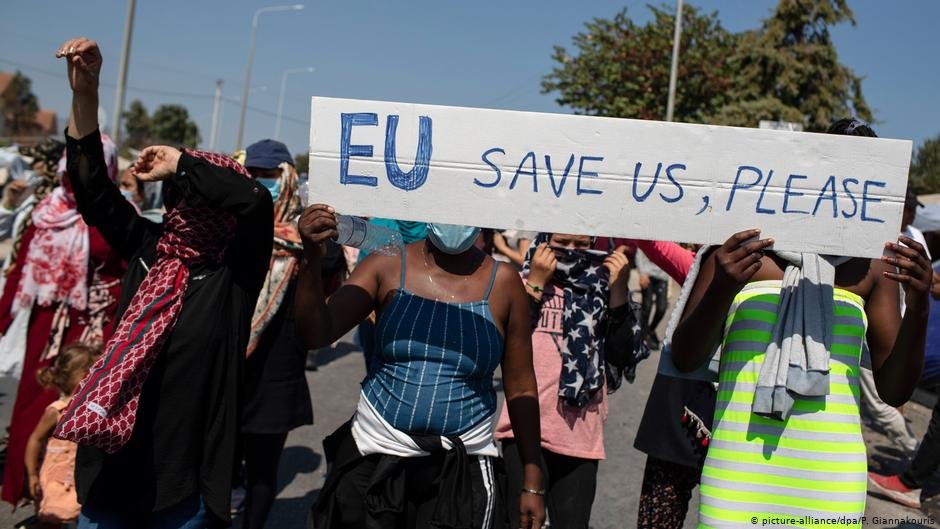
x,y
104,409
284,257
56,265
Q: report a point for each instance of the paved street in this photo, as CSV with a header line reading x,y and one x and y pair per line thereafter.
x,y
334,389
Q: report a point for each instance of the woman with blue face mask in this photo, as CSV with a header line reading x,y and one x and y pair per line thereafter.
x,y
277,398
419,451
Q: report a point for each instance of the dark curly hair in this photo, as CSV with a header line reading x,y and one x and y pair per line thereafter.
x,y
852,127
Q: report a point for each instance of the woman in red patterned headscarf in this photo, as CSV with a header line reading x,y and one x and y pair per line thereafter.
x,y
63,288
156,419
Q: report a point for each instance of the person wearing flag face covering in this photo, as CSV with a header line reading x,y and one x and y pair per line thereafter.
x,y
419,451
582,337
156,418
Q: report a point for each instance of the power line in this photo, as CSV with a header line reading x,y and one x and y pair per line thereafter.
x,y
154,91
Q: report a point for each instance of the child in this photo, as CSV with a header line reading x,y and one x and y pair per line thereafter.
x,y
52,485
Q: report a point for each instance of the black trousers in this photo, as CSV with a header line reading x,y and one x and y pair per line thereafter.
x,y
927,458
656,292
570,485
262,455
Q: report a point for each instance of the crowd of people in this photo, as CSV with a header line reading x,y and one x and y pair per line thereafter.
x,y
159,321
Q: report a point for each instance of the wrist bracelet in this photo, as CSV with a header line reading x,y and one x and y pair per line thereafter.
x,y
539,492
535,288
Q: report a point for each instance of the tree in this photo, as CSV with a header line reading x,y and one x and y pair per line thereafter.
x,y
136,125
302,163
171,124
622,70
789,70
925,169
19,106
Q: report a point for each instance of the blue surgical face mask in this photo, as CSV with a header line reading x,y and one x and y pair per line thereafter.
x,y
452,238
129,195
273,185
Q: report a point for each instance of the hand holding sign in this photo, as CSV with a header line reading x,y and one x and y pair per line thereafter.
x,y
739,258
914,271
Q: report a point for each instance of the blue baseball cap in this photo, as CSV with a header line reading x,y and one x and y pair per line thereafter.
x,y
267,154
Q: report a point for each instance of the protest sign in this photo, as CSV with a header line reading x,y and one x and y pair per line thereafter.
x,y
603,176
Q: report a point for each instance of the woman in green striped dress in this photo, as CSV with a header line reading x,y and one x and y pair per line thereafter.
x,y
785,456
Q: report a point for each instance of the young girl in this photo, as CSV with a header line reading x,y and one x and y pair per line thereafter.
x,y
572,289
52,485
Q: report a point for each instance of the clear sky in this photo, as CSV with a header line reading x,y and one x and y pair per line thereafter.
x,y
485,54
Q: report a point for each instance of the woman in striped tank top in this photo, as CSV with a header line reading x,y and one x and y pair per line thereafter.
x,y
781,455
787,447
419,451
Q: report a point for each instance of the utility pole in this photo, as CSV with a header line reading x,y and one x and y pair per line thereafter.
x,y
122,74
216,108
674,70
251,59
280,100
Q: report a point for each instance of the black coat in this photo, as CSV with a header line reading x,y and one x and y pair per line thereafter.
x,y
187,422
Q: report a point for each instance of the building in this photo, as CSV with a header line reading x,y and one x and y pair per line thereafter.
x,y
47,122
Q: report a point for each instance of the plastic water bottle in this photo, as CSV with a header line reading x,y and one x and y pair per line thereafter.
x,y
359,233
372,238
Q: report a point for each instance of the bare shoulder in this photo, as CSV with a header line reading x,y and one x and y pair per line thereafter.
x,y
860,275
507,277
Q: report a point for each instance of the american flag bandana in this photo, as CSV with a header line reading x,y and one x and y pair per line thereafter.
x,y
585,282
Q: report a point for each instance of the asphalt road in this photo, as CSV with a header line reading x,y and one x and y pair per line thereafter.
x,y
335,386
334,389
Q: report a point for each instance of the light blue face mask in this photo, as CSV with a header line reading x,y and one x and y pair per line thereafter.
x,y
129,196
452,238
273,185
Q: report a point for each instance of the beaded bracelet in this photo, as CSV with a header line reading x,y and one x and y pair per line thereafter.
x,y
535,288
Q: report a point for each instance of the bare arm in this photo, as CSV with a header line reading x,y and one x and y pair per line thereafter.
x,y
34,447
723,274
320,321
84,67
522,397
896,344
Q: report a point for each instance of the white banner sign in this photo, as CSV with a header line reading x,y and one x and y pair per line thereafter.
x,y
603,176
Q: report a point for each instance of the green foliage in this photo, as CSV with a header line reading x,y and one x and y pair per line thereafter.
x,y
621,69
136,125
786,70
171,124
925,170
19,106
302,162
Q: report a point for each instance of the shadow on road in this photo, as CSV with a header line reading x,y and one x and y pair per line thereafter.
x,y
332,354
296,460
291,513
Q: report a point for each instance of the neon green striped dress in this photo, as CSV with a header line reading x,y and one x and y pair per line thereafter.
x,y
785,474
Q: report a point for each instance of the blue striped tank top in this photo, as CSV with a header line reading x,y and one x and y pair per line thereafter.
x,y
434,371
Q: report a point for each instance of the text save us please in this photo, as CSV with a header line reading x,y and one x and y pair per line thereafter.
x,y
790,194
